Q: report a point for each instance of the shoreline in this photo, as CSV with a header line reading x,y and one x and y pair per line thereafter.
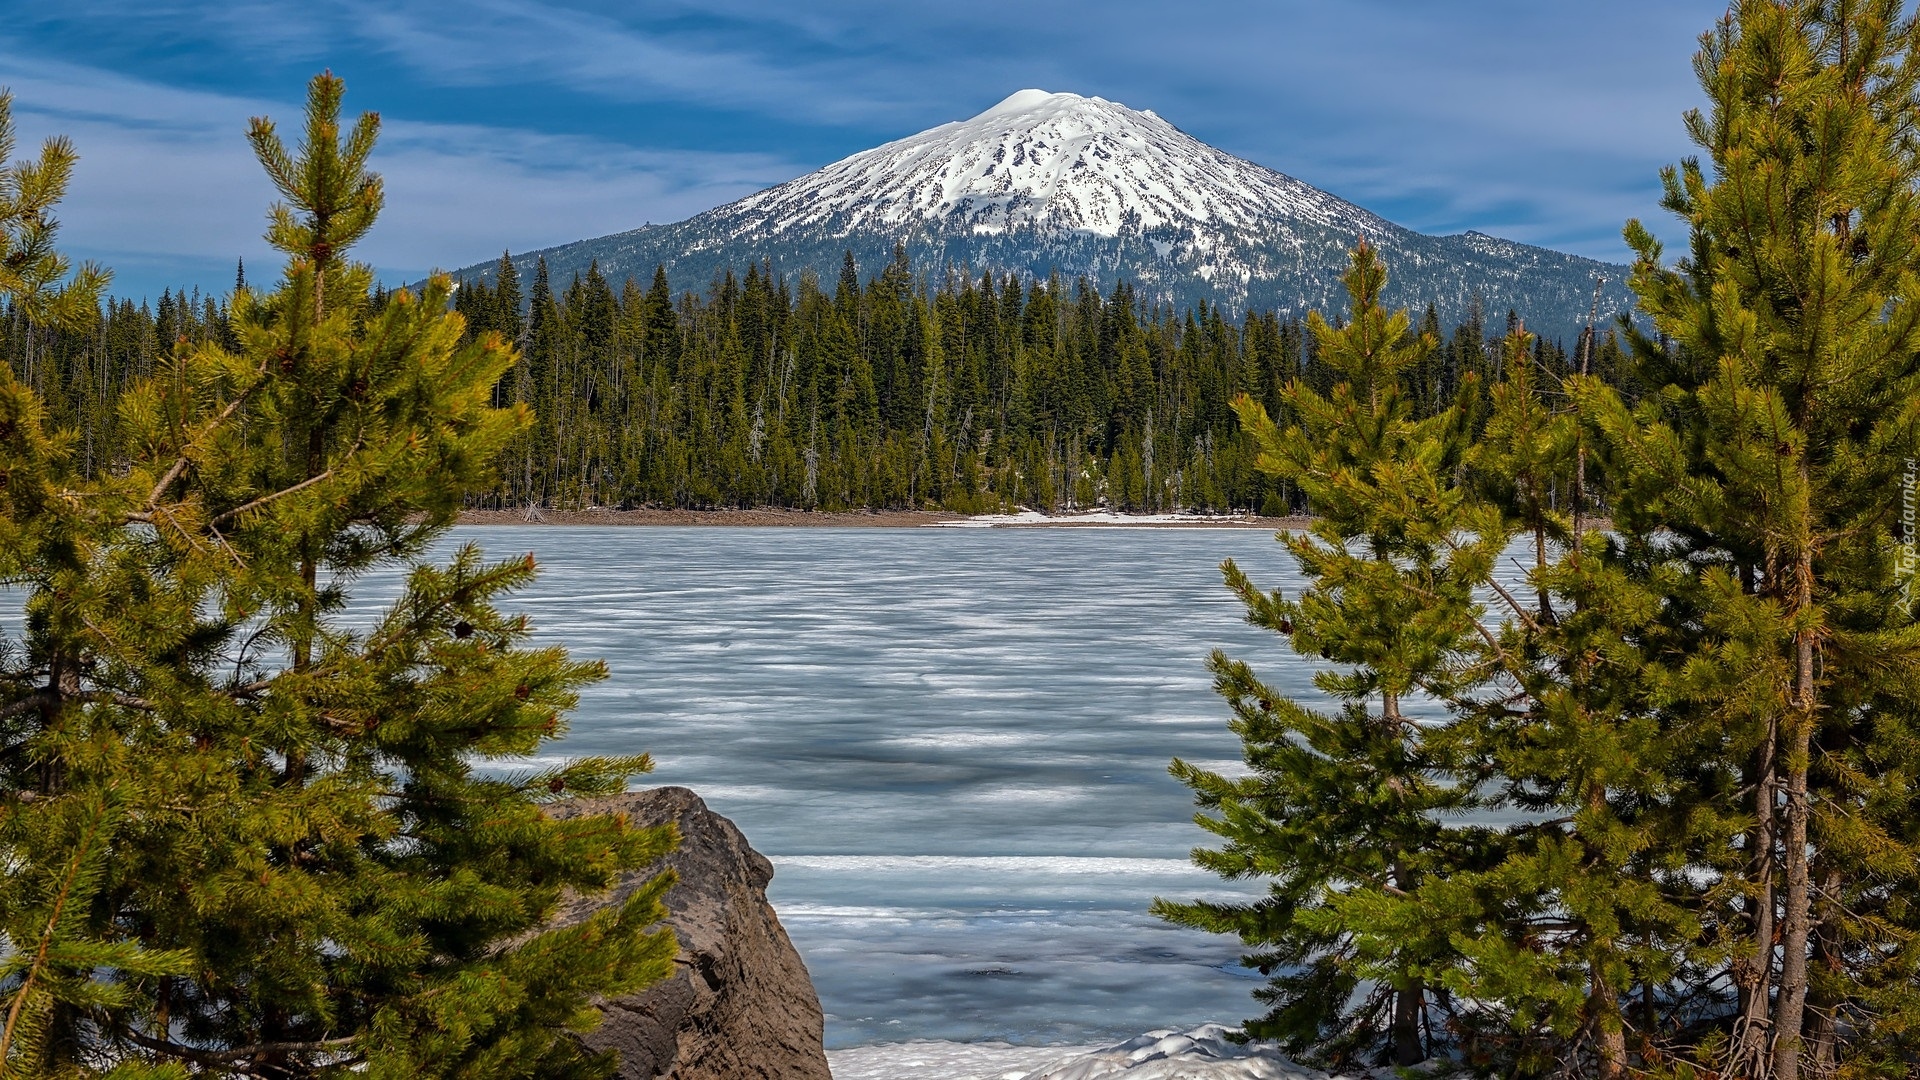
x,y
876,519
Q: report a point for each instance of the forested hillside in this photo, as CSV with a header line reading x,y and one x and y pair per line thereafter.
x,y
879,391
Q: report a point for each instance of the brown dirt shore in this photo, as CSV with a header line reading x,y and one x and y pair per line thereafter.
x,y
882,519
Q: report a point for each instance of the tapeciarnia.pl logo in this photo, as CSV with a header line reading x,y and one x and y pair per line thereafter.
x,y
1909,519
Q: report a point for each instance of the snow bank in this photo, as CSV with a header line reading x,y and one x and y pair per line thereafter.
x,y
924,1060
1097,517
1204,1053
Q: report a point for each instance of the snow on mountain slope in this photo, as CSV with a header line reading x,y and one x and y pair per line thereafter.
x,y
1058,162
1044,184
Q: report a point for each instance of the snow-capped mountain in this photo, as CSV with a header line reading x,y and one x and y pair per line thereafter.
x,y
1046,182
1052,162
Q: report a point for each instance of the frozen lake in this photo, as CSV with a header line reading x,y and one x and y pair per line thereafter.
x,y
951,743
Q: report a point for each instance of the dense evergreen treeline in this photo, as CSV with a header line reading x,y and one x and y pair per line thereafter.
x,y
891,393
887,393
82,374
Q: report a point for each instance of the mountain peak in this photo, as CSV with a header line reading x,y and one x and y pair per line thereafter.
x,y
1053,162
1029,100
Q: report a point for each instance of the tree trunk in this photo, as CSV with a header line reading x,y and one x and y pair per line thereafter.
x,y
296,764
1540,564
1408,1048
1822,1037
309,561
1603,1013
1797,922
1603,999
1753,973
1409,1001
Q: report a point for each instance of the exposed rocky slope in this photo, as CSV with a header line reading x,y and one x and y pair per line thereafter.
x,y
1058,182
740,1004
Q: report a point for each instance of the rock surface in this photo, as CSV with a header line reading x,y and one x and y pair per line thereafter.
x,y
739,1005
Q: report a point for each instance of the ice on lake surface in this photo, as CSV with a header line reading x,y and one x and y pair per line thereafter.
x,y
1203,1053
952,743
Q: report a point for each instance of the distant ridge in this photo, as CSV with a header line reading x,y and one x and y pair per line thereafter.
x,y
1045,182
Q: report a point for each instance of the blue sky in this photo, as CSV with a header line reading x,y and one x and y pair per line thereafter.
x,y
519,123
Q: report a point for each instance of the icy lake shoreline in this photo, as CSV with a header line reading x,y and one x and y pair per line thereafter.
x,y
871,519
1201,1053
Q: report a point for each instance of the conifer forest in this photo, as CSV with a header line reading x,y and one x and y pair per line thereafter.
x,y
889,392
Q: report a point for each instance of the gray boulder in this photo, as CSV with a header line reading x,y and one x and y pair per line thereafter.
x,y
739,1005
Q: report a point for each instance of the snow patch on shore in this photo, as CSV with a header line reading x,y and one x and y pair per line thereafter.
x,y
1094,517
929,1060
1203,1053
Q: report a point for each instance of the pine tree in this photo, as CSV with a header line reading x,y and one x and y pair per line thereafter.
x,y
1344,812
296,806
1569,911
1524,454
506,297
41,284
1706,719
1758,480
60,964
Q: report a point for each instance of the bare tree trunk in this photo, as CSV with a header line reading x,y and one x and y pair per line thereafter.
x,y
1797,922
1408,1047
1753,973
1540,565
1603,998
1409,1001
1609,1034
1822,1036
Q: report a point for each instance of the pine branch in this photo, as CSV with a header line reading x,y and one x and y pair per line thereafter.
x,y
263,500
1506,662
43,697
239,560
37,700
249,690
82,851
185,459
241,1053
1515,605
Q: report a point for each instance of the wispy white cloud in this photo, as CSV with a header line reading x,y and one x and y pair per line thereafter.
x,y
604,58
166,173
